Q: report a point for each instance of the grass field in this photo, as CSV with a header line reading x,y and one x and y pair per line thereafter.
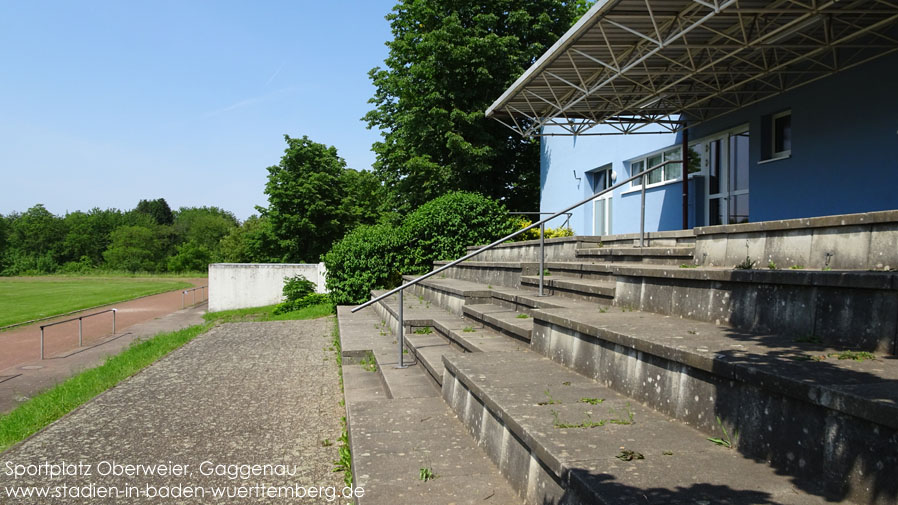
x,y
27,298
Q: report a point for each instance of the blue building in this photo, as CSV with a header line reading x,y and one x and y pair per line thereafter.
x,y
788,111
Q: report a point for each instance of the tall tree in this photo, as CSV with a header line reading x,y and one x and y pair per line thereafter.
x,y
448,61
158,209
306,199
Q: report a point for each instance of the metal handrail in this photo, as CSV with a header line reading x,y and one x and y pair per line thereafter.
x,y
202,297
542,245
80,326
487,247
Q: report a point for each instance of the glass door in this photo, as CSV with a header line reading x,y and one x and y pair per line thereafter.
x,y
726,159
601,223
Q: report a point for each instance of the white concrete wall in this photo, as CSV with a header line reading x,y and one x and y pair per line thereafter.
x,y
242,285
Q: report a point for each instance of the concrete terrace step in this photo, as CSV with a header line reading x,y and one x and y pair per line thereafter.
x,y
396,428
509,321
806,371
433,332
366,334
663,255
796,405
534,419
582,289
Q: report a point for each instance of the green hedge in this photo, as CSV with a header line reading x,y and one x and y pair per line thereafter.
x,y
442,228
372,257
365,259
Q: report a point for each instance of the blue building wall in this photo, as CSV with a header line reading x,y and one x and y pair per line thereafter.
x,y
844,157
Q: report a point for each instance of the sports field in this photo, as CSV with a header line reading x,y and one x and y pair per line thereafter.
x,y
27,298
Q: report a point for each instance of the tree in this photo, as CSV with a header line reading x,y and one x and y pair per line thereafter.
x,y
251,242
191,257
88,233
306,199
364,199
204,226
134,248
158,209
37,232
447,62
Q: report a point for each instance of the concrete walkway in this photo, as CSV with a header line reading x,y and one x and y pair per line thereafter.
x,y
252,405
24,380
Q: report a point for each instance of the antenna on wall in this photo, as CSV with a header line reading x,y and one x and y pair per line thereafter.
x,y
578,179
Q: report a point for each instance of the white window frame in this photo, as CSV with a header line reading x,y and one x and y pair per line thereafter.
x,y
644,159
776,155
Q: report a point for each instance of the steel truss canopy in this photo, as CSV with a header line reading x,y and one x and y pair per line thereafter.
x,y
640,66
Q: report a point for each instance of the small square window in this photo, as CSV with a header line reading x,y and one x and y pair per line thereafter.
x,y
782,134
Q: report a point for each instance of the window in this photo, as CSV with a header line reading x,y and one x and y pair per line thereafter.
x,y
782,134
667,173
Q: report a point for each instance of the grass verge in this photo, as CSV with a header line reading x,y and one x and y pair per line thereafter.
x,y
54,403
27,298
266,313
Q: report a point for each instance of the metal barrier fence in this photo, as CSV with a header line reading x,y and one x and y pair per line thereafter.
x,y
80,326
203,296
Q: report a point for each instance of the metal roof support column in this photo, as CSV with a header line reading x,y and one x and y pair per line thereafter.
x,y
685,172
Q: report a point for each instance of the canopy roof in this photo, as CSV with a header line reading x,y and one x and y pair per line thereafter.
x,y
633,63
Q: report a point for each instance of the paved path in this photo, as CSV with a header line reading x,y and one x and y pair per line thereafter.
x,y
28,378
242,394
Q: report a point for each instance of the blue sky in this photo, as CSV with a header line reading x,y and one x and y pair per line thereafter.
x,y
103,103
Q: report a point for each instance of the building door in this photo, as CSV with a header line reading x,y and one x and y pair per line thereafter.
x,y
726,160
601,222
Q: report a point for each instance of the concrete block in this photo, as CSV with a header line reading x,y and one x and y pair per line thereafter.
x,y
840,248
861,471
656,296
711,250
740,245
862,319
883,252
691,300
783,432
784,309
242,285
627,291
787,248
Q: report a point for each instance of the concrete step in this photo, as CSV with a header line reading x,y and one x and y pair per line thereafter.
x,y
396,429
795,404
432,332
367,336
601,291
508,321
559,437
653,255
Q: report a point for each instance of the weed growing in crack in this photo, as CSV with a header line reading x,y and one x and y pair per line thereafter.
x,y
726,441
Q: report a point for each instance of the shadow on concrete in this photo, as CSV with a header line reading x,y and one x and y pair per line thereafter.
x,y
843,432
609,492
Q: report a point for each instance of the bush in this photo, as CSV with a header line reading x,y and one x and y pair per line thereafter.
x,y
533,233
306,301
299,293
372,257
442,228
365,259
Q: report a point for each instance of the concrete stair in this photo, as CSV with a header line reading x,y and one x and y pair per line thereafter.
x,y
398,425
808,419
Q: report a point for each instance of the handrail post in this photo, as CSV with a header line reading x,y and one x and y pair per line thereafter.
x,y
642,215
80,333
42,342
401,336
542,256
